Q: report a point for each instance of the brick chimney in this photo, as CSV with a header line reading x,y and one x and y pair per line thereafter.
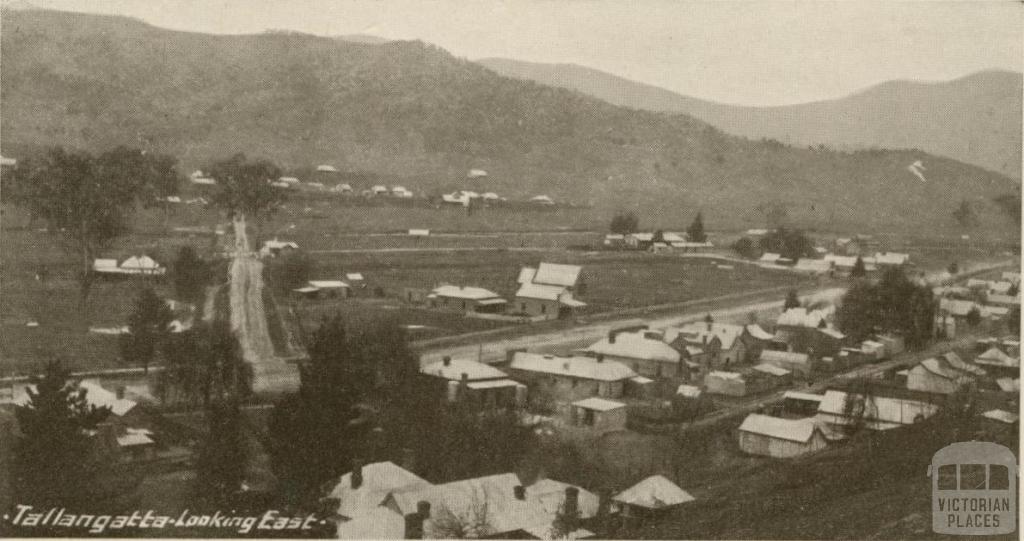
x,y
120,392
572,501
447,360
611,336
357,473
414,521
519,491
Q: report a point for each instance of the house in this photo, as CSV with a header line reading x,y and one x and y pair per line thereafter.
x,y
472,381
331,288
644,351
599,415
794,362
775,376
779,438
567,379
365,488
894,345
640,241
955,362
653,495
802,318
998,362
725,383
875,412
490,196
722,343
755,340
660,248
935,376
466,299
885,260
548,291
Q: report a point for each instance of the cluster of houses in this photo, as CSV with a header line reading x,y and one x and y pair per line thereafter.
x,y
656,242
979,303
544,292
383,500
836,265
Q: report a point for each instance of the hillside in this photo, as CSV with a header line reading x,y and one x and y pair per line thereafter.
x,y
974,119
413,110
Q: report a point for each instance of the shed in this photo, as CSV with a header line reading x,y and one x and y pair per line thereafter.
x,y
599,415
779,438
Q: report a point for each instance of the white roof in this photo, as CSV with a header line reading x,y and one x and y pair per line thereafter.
x,y
419,232
538,291
1011,276
891,258
688,244
1002,416
493,384
354,276
277,244
307,289
642,236
757,232
689,391
379,480
542,198
104,264
772,370
203,180
769,257
757,332
799,430
954,360
458,292
456,367
813,265
634,345
327,284
801,317
696,332
672,237
290,180
576,366
327,168
655,492
1008,385
797,395
557,275
1002,299
139,262
526,275
720,374
7,161
131,440
995,357
770,356
834,333
956,307
376,523
598,404
489,195
474,173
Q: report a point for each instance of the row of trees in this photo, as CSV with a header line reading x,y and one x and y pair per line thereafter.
x,y
894,304
625,223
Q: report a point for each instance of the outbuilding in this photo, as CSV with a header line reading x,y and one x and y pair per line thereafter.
x,y
779,438
599,415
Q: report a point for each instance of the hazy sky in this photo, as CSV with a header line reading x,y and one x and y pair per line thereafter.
x,y
761,52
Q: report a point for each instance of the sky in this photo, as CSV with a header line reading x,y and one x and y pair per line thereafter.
x,y
751,52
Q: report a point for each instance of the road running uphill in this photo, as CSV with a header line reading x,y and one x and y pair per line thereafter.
x,y
271,376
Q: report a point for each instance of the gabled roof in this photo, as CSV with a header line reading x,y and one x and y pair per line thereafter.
x,y
526,275
770,257
689,391
655,492
459,292
139,262
995,357
797,395
954,361
772,370
598,404
1002,299
891,258
1002,416
813,265
328,284
456,367
798,430
999,286
801,317
670,237
541,292
576,366
696,332
634,345
1008,385
326,169
719,374
354,276
833,333
379,480
557,275
551,495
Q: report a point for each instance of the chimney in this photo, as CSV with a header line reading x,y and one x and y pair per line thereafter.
x,y
414,526
447,360
465,379
611,337
600,357
357,473
120,392
519,491
604,503
572,501
423,509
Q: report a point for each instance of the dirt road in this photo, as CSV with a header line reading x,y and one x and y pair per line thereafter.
x,y
270,375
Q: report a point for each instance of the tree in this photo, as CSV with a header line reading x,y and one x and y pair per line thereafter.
x,y
1014,290
858,270
745,248
221,464
659,236
894,304
973,317
696,229
291,269
964,214
792,300
204,365
625,223
190,275
148,328
85,199
1013,320
953,268
791,244
53,458
243,186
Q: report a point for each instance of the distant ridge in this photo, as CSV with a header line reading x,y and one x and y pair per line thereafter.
x,y
975,119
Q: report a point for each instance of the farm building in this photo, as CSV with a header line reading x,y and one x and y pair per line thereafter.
x,y
643,351
548,291
478,383
799,363
599,415
567,379
779,438
722,343
725,383
654,495
876,412
935,376
466,299
614,240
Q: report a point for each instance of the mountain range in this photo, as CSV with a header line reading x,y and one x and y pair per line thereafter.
x,y
975,119
411,109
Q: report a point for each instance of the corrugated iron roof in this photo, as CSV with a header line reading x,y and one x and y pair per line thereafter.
x,y
379,480
634,345
654,492
798,430
576,366
456,367
468,293
558,275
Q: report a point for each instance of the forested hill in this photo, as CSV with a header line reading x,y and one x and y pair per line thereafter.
x,y
414,110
